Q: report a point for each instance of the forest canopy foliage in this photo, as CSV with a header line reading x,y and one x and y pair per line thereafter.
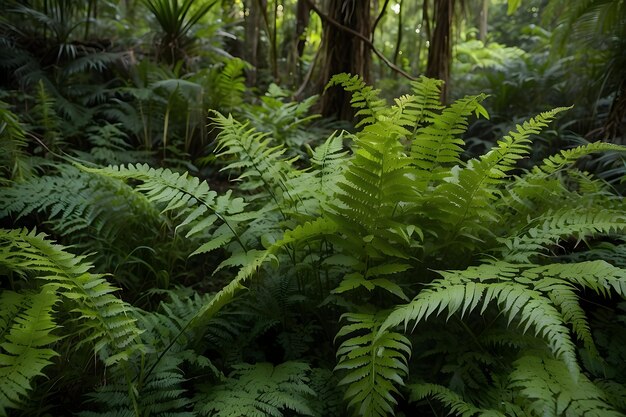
x,y
212,208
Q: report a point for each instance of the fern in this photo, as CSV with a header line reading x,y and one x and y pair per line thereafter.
x,y
260,163
160,395
546,232
375,361
197,207
453,401
13,162
467,193
102,319
230,85
364,98
414,110
26,326
438,145
260,390
553,391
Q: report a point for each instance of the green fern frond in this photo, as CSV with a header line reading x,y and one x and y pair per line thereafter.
x,y
328,162
547,231
375,360
506,284
569,156
102,318
73,201
13,159
230,85
261,164
26,327
467,195
365,99
195,205
553,392
260,390
160,395
438,145
453,401
427,103
376,182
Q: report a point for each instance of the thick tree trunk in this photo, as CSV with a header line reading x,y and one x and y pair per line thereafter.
x,y
440,49
342,52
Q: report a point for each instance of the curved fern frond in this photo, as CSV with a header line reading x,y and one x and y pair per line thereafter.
x,y
102,318
260,390
195,205
468,193
365,99
569,156
553,391
438,145
549,229
453,401
13,160
26,327
75,201
161,395
375,360
261,165
464,291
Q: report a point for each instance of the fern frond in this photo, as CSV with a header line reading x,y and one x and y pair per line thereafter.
x,y
373,187
569,156
74,201
26,327
467,195
427,103
365,99
13,160
260,390
375,360
102,318
230,85
553,392
160,395
546,232
197,207
328,162
453,401
464,291
438,145
261,164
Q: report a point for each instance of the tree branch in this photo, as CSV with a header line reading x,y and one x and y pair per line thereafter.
x,y
363,39
379,18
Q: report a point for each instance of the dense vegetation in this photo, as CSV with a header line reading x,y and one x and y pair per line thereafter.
x,y
187,229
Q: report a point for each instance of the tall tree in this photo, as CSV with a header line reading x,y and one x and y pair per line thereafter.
x,y
343,52
440,48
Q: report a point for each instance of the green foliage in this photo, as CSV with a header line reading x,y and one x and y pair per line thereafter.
x,y
26,327
93,315
391,274
375,361
259,390
176,20
13,145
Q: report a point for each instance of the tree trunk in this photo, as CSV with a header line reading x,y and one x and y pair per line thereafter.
x,y
342,52
440,49
253,21
483,19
